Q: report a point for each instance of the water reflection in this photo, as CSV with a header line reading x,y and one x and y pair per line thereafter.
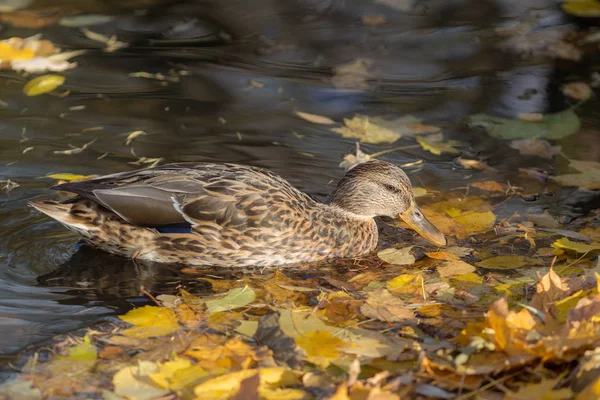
x,y
236,71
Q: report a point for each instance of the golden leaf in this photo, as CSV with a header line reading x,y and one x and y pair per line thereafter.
x,y
150,321
43,84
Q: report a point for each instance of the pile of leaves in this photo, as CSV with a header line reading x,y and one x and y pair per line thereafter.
x,y
409,322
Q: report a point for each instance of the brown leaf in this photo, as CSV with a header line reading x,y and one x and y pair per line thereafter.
x,y
490,186
549,290
248,389
383,305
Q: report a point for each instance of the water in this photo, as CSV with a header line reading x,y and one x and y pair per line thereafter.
x,y
236,72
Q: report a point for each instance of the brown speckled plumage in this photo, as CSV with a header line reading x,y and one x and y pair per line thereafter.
x,y
239,215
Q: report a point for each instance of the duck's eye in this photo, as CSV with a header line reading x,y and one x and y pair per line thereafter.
x,y
391,188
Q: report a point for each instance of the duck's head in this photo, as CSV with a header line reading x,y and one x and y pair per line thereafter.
x,y
378,188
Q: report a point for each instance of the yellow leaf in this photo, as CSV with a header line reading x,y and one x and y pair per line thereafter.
x,y
591,391
69,177
362,128
436,145
582,8
406,284
453,268
235,298
222,387
578,247
476,221
43,84
84,351
167,370
11,53
129,382
150,321
315,119
321,347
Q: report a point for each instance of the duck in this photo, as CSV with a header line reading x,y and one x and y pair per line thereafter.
x,y
230,215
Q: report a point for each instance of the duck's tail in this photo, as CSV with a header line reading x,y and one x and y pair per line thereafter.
x,y
98,226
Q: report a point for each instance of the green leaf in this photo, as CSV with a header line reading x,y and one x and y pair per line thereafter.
x,y
551,126
43,84
235,298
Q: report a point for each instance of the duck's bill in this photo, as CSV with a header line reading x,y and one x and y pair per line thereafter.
x,y
417,221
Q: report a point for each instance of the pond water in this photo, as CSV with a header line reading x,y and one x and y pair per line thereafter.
x,y
236,72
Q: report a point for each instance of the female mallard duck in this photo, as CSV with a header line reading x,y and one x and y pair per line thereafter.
x,y
235,215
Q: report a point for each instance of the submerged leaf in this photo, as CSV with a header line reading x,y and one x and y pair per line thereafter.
x,y
552,126
235,298
435,144
397,256
43,84
150,321
321,347
588,178
578,247
361,127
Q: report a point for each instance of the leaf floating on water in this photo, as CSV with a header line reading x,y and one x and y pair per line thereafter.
x,y
75,150
406,284
381,304
352,75
112,44
77,21
435,144
578,247
578,90
535,147
504,262
582,8
69,177
490,186
321,347
235,298
361,127
134,383
43,84
552,126
397,256
132,136
150,321
315,119
588,178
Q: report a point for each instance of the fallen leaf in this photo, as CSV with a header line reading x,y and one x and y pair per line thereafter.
x,y
544,390
315,119
284,347
406,284
535,147
578,90
490,186
383,305
397,256
552,126
33,19
435,144
235,298
588,178
352,75
531,117
582,8
150,321
224,386
69,177
361,127
131,136
473,164
43,84
578,247
453,268
78,21
321,347
374,20
129,382
503,262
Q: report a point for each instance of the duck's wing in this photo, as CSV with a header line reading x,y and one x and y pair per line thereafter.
x,y
209,195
